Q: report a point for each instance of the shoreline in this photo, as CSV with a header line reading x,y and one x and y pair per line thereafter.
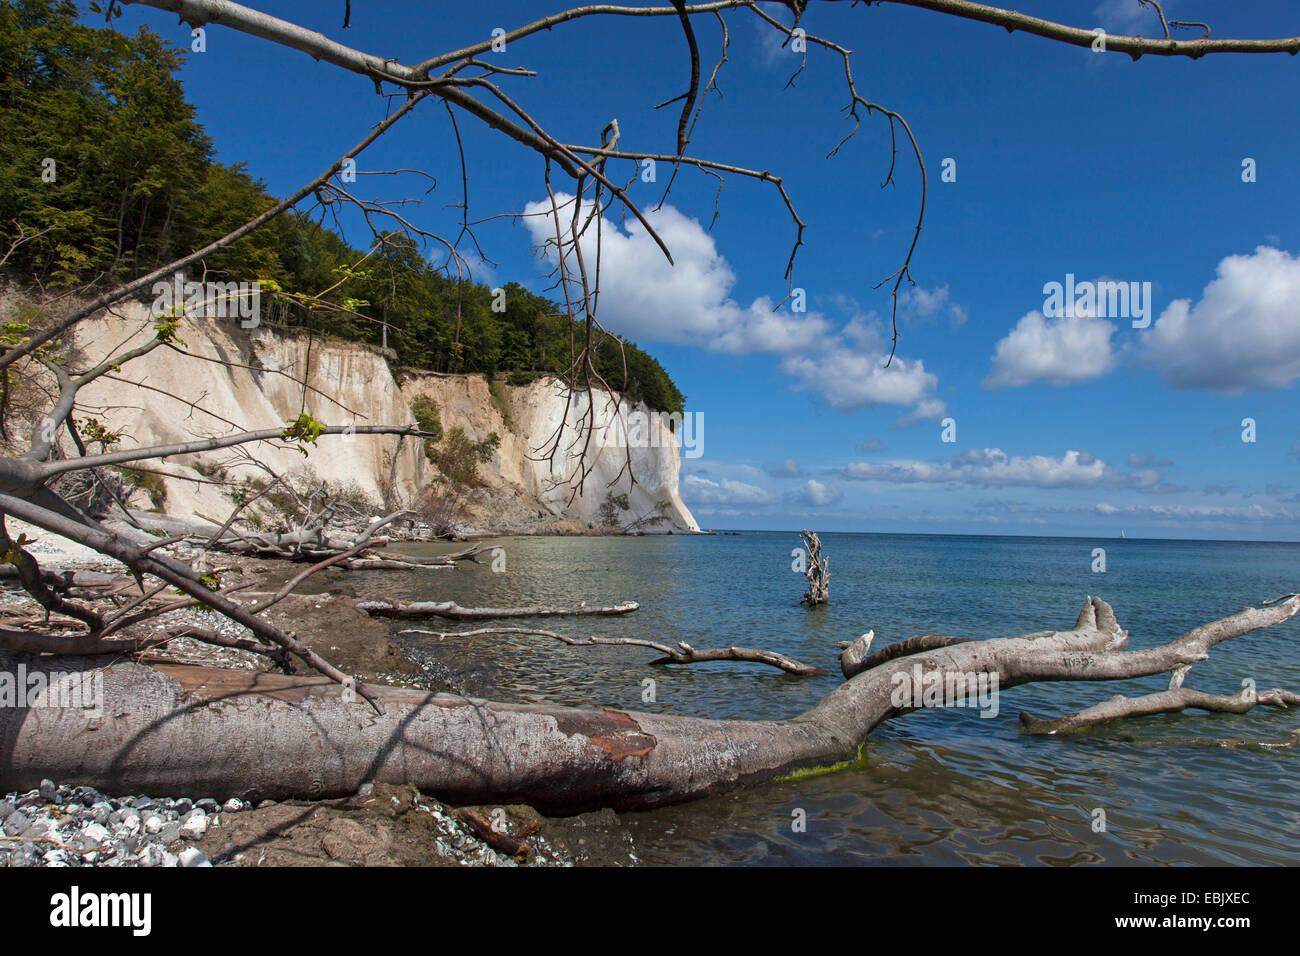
x,y
58,824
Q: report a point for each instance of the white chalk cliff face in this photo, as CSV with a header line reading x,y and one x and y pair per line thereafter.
x,y
529,487
524,490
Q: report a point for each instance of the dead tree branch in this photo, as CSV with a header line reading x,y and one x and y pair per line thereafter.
x,y
1170,701
452,611
683,653
311,740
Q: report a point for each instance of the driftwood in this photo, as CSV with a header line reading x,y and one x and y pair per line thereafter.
x,y
1170,701
179,729
819,578
408,563
142,560
1266,744
549,758
289,546
854,660
89,632
496,839
682,654
454,612
369,563
317,543
86,644
60,579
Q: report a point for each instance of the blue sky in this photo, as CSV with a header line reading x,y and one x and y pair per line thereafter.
x,y
1067,162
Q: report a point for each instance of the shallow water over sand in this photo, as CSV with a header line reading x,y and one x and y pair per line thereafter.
x,y
939,786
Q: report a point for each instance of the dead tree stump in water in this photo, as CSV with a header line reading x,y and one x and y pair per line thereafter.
x,y
819,579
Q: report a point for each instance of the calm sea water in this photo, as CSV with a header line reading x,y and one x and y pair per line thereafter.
x,y
940,786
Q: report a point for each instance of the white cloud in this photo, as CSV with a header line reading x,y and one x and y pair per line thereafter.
x,y
644,297
920,303
1198,513
849,378
1062,351
816,494
924,302
1243,333
928,410
992,467
725,491
773,43
760,329
480,272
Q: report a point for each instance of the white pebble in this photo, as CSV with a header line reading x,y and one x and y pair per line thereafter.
x,y
190,856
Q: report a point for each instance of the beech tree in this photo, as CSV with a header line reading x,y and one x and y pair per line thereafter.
x,y
177,728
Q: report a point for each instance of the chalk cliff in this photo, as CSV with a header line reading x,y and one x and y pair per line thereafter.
x,y
247,378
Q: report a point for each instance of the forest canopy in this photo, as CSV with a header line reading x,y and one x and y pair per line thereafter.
x,y
106,173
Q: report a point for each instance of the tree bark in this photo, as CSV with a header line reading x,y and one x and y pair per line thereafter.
x,y
179,729
854,660
683,653
454,612
1171,701
819,578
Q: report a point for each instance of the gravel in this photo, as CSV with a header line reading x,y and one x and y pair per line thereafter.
x,y
78,826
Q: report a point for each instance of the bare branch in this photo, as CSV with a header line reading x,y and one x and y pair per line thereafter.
x,y
1167,702
682,654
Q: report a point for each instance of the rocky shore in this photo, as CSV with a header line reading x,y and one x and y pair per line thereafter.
x,y
62,826
79,826
69,825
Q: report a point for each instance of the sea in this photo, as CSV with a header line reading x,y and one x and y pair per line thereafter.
x,y
945,786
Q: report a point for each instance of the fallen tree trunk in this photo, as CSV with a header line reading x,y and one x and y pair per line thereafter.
x,y
316,544
682,654
294,546
368,563
88,644
64,579
390,564
452,611
179,729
